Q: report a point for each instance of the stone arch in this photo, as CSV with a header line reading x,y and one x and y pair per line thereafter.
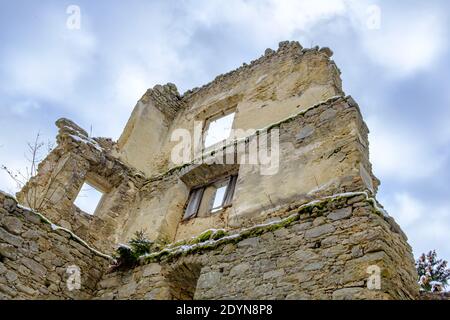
x,y
182,279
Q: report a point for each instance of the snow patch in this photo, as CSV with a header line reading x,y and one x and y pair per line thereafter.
x,y
87,141
55,227
186,248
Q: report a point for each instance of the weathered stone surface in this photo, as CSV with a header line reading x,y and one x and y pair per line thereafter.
x,y
327,114
347,293
327,51
127,290
209,280
31,234
340,214
319,231
25,289
250,242
10,204
239,269
12,224
314,266
10,292
2,268
265,289
305,132
34,260
10,238
286,263
298,296
11,276
158,294
273,274
152,269
294,269
356,199
34,266
109,282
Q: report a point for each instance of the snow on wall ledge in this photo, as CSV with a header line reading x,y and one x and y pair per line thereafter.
x,y
39,260
322,254
326,253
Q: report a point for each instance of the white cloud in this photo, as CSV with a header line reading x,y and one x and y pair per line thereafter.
x,y
132,78
426,224
270,20
48,65
406,209
405,43
303,14
22,107
444,129
131,83
402,153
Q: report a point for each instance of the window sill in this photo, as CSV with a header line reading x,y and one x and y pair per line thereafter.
x,y
211,215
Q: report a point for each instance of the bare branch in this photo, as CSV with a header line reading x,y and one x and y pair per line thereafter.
x,y
35,153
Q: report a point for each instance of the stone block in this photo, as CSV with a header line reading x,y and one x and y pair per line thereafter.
x,y
319,231
13,225
152,269
340,214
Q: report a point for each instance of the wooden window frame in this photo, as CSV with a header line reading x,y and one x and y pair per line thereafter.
x,y
191,208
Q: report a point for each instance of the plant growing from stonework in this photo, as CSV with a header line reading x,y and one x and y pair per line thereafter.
x,y
433,272
127,256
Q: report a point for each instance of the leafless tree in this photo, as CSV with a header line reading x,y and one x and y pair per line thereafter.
x,y
35,153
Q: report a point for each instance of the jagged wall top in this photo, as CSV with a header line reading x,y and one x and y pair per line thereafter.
x,y
169,101
285,50
166,98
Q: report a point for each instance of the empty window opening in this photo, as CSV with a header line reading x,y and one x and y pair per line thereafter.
x,y
211,198
183,281
218,129
88,198
219,196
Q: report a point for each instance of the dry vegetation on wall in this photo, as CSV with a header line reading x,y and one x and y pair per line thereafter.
x,y
36,152
144,251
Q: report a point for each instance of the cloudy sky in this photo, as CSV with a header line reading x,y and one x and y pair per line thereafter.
x,y
394,58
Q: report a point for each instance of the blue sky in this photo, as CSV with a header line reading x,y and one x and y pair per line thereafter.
x,y
397,70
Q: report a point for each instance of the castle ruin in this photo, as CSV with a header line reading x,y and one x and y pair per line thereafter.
x,y
306,225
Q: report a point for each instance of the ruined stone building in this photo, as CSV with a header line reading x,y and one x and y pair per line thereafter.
x,y
307,226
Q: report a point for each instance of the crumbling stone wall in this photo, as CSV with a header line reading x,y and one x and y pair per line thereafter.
x,y
323,140
309,231
76,159
148,125
323,151
34,257
277,85
317,251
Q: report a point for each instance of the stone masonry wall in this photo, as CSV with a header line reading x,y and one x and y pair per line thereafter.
x,y
313,230
273,87
323,151
77,159
34,257
317,251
